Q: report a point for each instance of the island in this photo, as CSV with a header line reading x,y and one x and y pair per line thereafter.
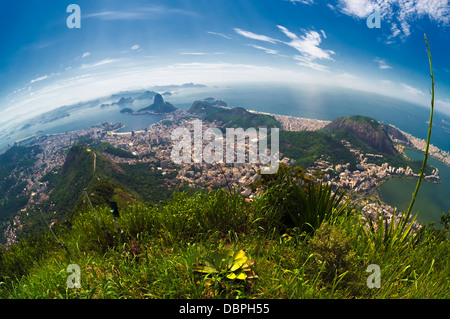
x,y
159,106
127,110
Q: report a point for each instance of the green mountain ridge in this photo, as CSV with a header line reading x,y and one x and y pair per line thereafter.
x,y
78,174
362,131
306,147
131,182
13,163
237,117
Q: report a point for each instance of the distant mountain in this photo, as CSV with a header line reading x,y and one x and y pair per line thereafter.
x,y
159,106
124,101
147,95
126,110
362,132
175,87
232,117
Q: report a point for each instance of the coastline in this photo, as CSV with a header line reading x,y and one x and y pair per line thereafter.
x,y
313,124
373,197
293,123
365,187
418,145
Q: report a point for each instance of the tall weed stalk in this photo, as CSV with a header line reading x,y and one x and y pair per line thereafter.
x,y
398,235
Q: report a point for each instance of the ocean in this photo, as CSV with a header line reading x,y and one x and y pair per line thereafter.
x,y
307,102
293,100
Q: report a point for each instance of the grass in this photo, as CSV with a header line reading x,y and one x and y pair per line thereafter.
x,y
157,254
430,128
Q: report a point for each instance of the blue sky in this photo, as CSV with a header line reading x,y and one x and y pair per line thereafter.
x,y
137,44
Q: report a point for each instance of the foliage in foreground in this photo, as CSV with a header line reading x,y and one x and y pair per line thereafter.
x,y
159,251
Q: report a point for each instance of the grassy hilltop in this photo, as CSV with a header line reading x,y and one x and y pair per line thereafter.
x,y
163,249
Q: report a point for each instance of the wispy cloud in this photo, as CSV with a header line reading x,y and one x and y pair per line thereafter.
x,y
43,77
117,15
194,53
301,1
357,8
86,54
138,13
400,14
382,63
443,105
308,45
201,53
254,36
97,64
135,47
411,90
306,62
220,34
269,51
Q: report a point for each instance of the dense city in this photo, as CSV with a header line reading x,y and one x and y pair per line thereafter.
x,y
154,146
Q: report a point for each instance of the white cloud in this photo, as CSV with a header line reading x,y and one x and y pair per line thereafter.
x,y
411,90
303,61
308,44
116,15
436,10
41,78
44,77
302,1
194,53
254,36
19,90
269,51
400,14
97,64
135,47
138,14
382,64
443,105
357,8
220,35
86,54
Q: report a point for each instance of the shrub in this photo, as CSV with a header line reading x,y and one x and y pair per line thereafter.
x,y
302,203
332,247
